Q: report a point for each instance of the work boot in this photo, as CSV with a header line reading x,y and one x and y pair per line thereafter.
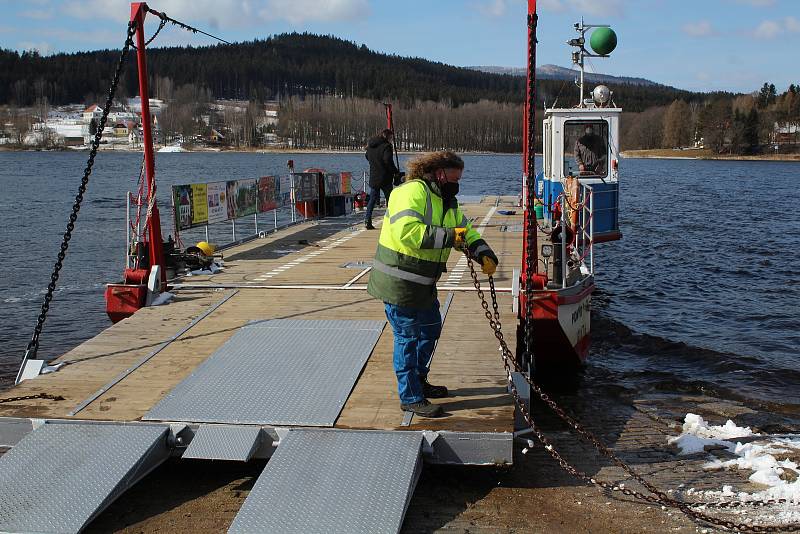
x,y
433,392
369,226
423,408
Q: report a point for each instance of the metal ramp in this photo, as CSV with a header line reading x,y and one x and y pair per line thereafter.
x,y
327,481
62,475
275,372
224,442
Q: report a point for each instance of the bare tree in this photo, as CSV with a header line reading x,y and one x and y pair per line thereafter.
x,y
677,125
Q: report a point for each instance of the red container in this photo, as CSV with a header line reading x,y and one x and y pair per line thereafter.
x,y
122,300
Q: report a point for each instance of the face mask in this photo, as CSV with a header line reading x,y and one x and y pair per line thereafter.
x,y
449,189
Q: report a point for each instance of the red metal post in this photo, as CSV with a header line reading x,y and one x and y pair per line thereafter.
x,y
389,120
155,246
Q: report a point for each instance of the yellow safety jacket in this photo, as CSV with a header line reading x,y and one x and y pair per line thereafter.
x,y
416,237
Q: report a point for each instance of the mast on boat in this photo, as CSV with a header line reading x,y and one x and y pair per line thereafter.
x,y
602,42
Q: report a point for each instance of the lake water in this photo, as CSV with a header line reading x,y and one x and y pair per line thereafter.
x,y
701,295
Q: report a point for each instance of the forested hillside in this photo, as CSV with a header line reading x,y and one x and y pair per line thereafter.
x,y
288,65
330,91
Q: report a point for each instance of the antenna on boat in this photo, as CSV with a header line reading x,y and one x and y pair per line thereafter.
x,y
603,41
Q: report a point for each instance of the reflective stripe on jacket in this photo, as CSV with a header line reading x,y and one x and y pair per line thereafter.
x,y
415,242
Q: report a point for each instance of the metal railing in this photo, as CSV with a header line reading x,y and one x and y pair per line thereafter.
x,y
239,230
575,249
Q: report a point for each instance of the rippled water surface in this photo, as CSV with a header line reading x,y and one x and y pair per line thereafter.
x,y
702,293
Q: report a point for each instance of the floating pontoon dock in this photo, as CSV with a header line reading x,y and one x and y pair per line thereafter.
x,y
282,353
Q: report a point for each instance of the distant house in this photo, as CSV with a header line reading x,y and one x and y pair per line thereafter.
x,y
135,136
786,133
120,130
74,141
216,137
92,112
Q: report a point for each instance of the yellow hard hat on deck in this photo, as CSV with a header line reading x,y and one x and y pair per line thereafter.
x,y
207,248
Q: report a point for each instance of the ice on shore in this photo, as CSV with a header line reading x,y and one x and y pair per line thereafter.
x,y
771,460
214,268
162,298
697,434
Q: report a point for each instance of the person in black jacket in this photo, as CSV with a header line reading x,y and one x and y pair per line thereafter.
x,y
382,170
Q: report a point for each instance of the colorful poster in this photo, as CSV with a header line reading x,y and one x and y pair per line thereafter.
x,y
347,180
242,197
333,185
182,197
199,204
217,205
230,193
285,190
305,186
266,194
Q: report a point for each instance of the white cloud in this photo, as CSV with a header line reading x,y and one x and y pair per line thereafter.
x,y
492,8
702,28
552,5
42,47
38,14
296,11
770,29
590,7
228,13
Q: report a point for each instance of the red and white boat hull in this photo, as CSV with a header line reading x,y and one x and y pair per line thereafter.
x,y
562,325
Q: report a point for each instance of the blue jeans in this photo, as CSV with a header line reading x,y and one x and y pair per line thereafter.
x,y
415,335
374,195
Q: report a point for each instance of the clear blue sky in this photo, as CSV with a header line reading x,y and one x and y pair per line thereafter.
x,y
699,45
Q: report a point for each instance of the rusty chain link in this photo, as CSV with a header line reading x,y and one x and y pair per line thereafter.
x,y
658,497
31,397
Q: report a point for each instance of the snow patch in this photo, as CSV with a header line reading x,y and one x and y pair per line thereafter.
x,y
698,434
215,267
772,461
162,298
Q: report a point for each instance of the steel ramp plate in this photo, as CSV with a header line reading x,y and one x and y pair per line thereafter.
x,y
61,475
277,372
224,442
328,481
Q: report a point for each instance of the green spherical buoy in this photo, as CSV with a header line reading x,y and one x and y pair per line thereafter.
x,y
603,41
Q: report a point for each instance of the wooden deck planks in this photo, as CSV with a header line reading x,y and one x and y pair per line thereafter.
x,y
466,360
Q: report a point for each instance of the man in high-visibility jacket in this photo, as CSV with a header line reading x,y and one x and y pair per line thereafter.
x,y
422,223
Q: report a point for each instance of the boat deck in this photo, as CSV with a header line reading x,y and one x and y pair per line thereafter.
x,y
301,272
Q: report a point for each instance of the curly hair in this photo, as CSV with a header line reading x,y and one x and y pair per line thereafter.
x,y
427,164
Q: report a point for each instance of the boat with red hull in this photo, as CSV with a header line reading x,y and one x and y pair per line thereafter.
x,y
570,205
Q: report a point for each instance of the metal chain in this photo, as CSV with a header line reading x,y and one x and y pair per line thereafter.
x,y
153,38
658,497
31,397
530,213
164,19
33,345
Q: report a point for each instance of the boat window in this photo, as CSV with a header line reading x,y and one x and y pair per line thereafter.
x,y
586,148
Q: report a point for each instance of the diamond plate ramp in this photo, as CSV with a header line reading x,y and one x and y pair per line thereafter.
x,y
60,476
224,442
277,372
327,481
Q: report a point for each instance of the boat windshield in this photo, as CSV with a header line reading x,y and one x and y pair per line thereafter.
x,y
586,148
